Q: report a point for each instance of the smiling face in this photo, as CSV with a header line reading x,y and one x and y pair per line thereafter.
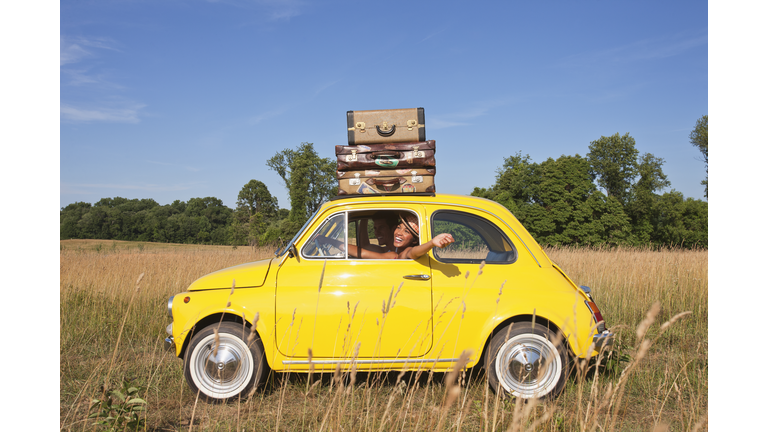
x,y
403,236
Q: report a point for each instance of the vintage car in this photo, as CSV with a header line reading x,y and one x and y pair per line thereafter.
x,y
493,293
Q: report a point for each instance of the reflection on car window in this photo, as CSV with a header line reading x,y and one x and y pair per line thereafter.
x,y
476,239
333,228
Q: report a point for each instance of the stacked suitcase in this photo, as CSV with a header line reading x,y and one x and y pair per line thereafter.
x,y
387,154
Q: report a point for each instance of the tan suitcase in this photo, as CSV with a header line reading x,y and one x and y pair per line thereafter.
x,y
395,181
386,126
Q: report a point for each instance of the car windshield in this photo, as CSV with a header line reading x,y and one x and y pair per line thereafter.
x,y
280,252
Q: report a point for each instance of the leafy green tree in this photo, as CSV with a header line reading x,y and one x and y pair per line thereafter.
x,y
558,202
517,184
579,213
256,207
254,197
69,218
203,220
680,221
698,138
644,196
613,162
310,179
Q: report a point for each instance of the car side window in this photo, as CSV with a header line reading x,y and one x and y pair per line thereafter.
x,y
334,228
373,231
476,239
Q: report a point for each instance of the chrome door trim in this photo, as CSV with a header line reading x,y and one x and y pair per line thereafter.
x,y
364,361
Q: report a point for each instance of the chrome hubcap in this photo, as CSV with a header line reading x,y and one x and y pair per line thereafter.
x,y
528,366
524,364
228,372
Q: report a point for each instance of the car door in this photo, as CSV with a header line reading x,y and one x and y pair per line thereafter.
x,y
456,275
340,306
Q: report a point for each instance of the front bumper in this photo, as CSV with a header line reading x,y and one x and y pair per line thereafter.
x,y
169,344
603,340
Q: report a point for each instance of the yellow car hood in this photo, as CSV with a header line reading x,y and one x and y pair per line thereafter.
x,y
246,275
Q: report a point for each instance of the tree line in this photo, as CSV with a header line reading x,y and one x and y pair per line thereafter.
x,y
611,196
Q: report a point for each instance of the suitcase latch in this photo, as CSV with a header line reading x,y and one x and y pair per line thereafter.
x,y
352,157
360,126
411,124
415,178
355,181
417,153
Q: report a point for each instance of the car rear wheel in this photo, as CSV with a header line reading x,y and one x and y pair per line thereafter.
x,y
226,372
526,361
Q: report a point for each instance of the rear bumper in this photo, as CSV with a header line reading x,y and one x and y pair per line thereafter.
x,y
603,340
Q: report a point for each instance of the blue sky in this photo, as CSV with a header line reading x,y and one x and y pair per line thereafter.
x,y
180,99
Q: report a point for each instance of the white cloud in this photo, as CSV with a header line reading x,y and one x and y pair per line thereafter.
x,y
325,86
188,168
72,49
278,9
101,114
437,123
78,51
642,50
431,35
71,53
463,118
267,115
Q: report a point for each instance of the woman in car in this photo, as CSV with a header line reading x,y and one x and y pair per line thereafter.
x,y
405,242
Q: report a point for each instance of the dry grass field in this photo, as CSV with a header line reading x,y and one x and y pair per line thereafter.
x,y
112,329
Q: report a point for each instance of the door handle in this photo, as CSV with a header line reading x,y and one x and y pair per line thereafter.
x,y
417,277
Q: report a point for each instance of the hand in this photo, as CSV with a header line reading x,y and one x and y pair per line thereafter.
x,y
442,240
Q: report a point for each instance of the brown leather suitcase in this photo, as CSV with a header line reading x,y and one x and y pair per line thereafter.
x,y
389,181
385,126
386,156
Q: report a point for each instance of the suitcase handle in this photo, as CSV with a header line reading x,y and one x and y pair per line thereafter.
x,y
387,185
386,133
387,154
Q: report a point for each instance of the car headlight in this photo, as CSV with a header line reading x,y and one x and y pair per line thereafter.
x,y
170,306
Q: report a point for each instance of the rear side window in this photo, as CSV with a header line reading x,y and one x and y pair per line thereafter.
x,y
476,239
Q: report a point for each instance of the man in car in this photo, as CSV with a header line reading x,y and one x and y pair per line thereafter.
x,y
383,229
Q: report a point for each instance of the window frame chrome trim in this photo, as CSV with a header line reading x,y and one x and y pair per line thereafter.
x,y
472,260
346,228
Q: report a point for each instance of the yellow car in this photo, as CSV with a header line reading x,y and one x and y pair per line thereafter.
x,y
339,294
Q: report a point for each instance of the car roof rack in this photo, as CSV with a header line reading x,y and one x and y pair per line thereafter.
x,y
421,194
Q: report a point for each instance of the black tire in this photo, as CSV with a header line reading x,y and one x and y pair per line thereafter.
x,y
526,362
234,371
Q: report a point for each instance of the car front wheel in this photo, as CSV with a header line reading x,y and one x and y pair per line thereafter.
x,y
225,372
526,361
